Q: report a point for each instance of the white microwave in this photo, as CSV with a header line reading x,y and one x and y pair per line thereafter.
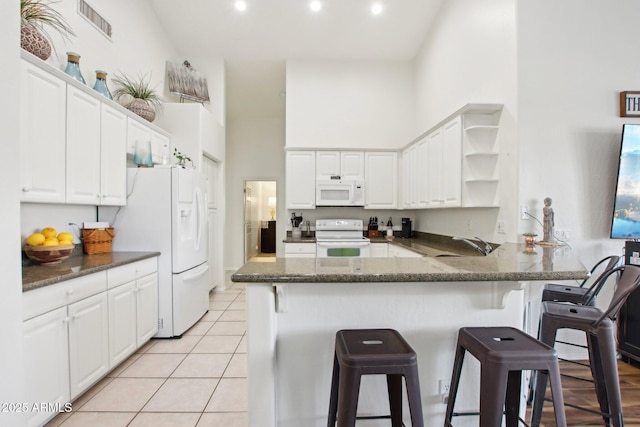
x,y
340,192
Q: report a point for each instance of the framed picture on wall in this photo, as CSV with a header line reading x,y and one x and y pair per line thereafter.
x,y
186,82
630,103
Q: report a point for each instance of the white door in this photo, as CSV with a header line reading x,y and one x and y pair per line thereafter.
x,y
301,180
189,239
42,135
46,362
88,342
147,307
83,147
113,157
122,322
190,298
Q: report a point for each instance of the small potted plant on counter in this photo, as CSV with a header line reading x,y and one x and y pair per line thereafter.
x,y
529,238
137,96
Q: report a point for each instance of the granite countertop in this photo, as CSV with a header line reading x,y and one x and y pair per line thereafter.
x,y
36,275
426,246
508,262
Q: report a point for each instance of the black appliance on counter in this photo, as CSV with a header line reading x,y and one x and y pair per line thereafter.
x,y
406,227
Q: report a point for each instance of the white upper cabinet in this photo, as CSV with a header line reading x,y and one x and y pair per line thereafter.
x,y
74,141
352,165
434,155
410,179
452,161
113,157
83,147
42,135
301,179
327,164
381,180
96,151
344,164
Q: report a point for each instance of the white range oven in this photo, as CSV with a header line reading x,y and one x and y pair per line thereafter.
x,y
341,238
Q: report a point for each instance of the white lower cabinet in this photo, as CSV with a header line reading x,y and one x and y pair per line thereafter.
x,y
133,308
88,342
77,330
122,322
146,308
46,362
300,250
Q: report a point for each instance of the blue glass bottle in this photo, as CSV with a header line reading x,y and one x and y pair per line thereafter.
x,y
101,84
73,67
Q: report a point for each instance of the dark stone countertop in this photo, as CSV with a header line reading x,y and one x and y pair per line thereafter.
x,y
508,262
36,275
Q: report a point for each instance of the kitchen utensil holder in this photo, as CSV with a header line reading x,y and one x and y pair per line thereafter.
x,y
97,240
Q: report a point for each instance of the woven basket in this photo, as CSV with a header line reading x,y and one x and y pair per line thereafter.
x,y
97,240
34,42
141,108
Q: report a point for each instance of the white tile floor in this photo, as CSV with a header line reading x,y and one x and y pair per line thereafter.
x,y
199,380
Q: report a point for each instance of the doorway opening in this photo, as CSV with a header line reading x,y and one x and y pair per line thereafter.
x,y
259,220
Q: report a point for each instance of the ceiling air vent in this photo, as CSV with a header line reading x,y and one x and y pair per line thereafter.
x,y
94,17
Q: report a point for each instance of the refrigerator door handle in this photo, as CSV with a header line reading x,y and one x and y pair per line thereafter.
x,y
197,198
196,274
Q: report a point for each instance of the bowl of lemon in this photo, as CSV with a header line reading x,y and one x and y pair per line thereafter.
x,y
49,247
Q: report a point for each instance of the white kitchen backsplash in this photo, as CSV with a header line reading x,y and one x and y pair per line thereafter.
x,y
351,213
35,216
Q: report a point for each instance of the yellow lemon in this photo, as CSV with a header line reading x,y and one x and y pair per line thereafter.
x,y
51,242
65,236
65,242
49,232
36,239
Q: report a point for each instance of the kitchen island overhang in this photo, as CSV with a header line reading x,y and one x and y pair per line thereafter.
x,y
295,307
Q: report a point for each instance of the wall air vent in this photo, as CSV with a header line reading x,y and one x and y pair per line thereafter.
x,y
94,17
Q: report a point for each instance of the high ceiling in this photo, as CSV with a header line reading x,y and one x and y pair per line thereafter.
x,y
272,31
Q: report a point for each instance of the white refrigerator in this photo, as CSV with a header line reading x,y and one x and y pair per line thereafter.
x,y
166,212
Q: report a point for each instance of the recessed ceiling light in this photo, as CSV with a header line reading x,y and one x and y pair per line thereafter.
x,y
241,5
315,5
376,8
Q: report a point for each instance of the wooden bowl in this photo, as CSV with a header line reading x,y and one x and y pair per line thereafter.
x,y
48,255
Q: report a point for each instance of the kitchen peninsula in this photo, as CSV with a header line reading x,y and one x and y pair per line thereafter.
x,y
295,306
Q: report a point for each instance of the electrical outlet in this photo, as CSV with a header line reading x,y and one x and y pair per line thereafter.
x,y
443,386
501,227
524,212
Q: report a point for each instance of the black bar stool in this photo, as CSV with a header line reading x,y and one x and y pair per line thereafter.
x,y
583,294
367,352
601,343
503,354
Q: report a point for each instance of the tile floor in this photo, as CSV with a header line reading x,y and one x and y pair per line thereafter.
x,y
199,380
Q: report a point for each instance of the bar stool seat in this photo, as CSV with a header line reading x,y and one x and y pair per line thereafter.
x,y
367,352
582,294
599,329
503,353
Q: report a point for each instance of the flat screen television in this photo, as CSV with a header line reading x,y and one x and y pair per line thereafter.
x,y
625,223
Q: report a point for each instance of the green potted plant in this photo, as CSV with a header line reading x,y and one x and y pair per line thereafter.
x,y
137,95
35,15
182,158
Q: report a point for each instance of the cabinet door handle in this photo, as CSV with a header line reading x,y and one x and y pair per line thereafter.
x,y
65,320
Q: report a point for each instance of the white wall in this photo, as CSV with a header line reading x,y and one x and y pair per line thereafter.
x,y
11,365
349,104
138,45
255,152
574,58
469,56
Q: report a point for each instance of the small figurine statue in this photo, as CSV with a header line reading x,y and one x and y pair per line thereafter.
x,y
547,223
